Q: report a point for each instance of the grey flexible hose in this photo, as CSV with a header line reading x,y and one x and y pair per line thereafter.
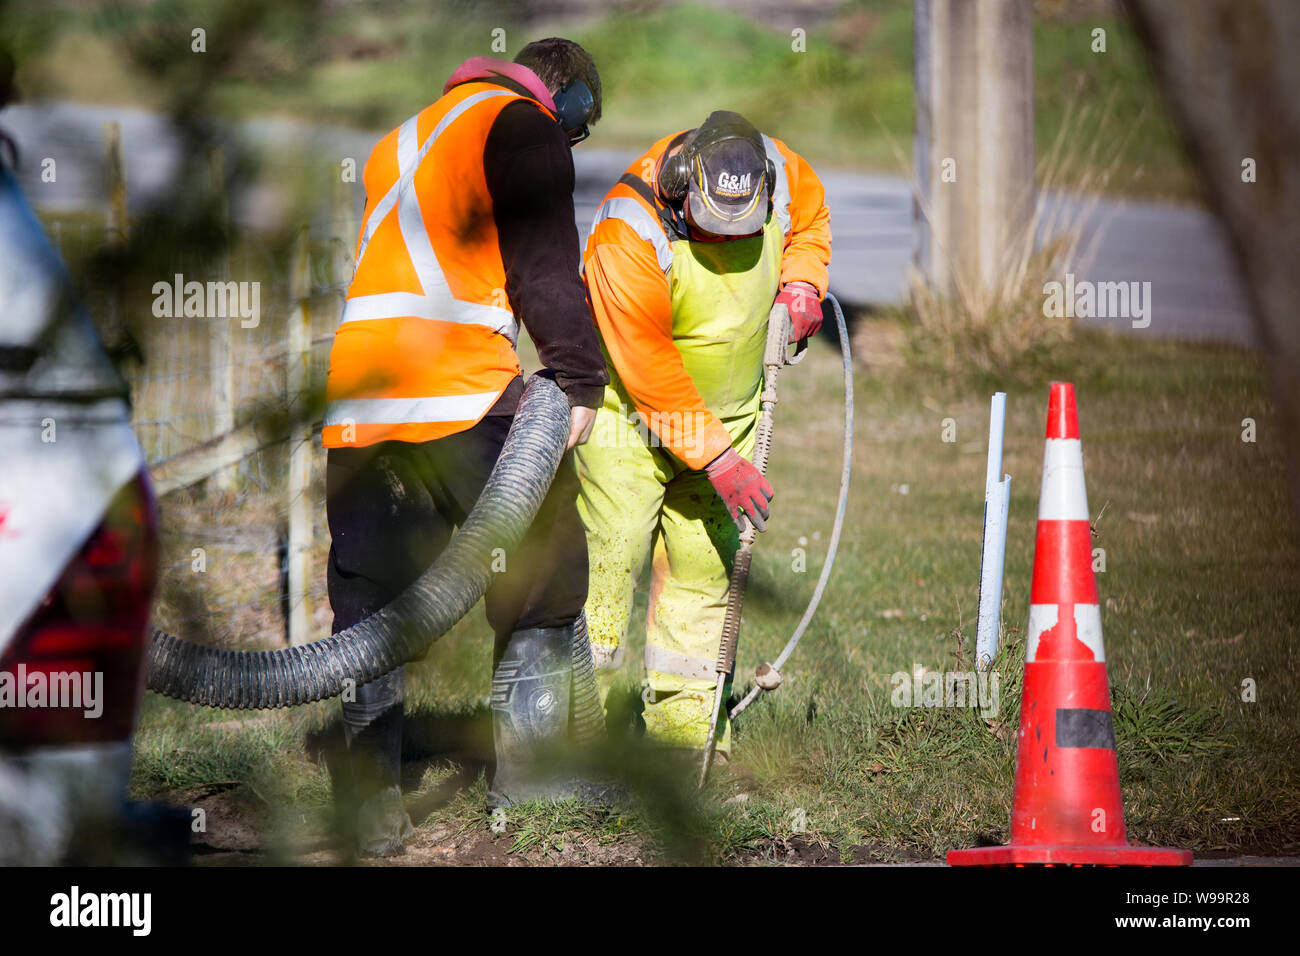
x,y
832,548
586,715
405,628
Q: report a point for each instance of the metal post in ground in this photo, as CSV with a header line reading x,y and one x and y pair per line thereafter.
x,y
997,494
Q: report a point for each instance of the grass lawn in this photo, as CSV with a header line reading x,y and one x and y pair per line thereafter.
x,y
1200,593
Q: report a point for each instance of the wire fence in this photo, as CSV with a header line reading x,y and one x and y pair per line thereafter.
x,y
222,403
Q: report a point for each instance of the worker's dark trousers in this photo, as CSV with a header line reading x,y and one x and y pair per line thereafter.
x,y
392,508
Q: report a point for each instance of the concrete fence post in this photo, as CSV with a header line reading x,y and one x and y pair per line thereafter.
x,y
974,139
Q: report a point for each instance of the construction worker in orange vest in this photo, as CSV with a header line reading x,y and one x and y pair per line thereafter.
x,y
686,256
468,231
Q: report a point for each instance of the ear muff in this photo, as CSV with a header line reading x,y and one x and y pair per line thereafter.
x,y
771,180
574,106
673,177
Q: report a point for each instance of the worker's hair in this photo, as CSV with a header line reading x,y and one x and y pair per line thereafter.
x,y
556,61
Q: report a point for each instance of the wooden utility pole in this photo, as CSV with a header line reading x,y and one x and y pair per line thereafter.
x,y
974,139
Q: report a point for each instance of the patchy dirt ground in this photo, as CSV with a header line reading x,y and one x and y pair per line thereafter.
x,y
236,820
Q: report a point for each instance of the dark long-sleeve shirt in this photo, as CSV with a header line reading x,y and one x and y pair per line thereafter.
x,y
528,164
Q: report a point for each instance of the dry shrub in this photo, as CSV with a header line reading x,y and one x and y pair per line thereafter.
x,y
992,332
880,345
1001,329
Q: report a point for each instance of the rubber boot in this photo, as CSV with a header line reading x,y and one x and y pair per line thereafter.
x,y
372,727
530,711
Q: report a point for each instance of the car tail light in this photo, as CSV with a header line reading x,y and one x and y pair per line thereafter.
x,y
90,631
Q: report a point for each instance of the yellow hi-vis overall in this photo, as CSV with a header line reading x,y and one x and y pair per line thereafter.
x,y
638,500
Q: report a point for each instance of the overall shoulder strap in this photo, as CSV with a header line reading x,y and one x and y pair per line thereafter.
x,y
673,223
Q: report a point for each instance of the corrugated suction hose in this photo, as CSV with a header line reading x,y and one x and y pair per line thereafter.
x,y
405,628
586,713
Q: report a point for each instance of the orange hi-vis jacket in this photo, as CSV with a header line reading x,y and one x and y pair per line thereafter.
x,y
628,269
426,343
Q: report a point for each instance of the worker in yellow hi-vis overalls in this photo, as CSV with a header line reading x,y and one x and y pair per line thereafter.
x,y
686,256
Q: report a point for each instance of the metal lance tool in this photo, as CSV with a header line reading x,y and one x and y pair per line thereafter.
x,y
775,356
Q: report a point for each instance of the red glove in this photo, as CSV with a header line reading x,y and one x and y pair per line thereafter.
x,y
805,309
742,487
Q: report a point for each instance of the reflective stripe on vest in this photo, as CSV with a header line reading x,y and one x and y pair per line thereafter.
x,y
437,301
397,411
407,163
395,305
640,220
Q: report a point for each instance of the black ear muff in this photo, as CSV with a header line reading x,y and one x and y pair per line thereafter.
x,y
574,107
673,179
771,180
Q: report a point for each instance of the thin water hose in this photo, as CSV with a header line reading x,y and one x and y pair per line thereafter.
x,y
768,676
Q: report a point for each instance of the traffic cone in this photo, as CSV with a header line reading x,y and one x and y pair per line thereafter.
x,y
1066,808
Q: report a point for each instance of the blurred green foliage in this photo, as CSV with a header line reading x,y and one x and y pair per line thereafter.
x,y
846,99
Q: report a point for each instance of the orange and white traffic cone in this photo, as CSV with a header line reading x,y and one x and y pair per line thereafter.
x,y
1066,808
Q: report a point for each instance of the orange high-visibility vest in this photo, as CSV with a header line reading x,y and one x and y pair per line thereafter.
x,y
426,342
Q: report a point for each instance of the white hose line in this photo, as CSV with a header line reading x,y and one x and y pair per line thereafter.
x,y
832,547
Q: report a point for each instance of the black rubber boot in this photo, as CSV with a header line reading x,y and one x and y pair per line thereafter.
x,y
372,727
530,711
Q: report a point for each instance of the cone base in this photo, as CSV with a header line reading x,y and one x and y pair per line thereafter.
x,y
1123,855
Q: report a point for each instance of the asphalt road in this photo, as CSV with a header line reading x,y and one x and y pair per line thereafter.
x,y
1195,290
